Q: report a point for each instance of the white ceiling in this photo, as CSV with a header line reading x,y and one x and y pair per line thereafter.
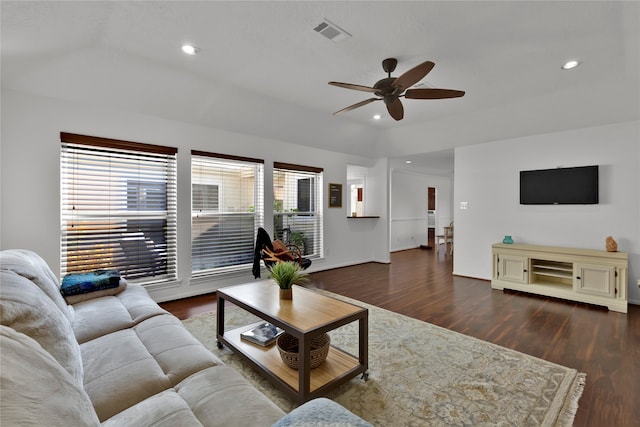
x,y
263,70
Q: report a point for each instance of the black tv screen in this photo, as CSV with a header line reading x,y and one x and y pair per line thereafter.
x,y
560,186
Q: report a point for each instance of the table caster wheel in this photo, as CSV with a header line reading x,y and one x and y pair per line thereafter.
x,y
220,345
365,376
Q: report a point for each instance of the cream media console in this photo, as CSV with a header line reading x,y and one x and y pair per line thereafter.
x,y
584,275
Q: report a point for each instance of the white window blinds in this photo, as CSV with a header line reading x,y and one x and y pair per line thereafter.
x,y
297,206
226,210
118,207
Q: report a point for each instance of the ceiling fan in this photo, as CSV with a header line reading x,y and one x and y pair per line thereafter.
x,y
391,89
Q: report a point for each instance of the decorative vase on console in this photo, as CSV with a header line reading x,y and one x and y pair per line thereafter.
x,y
508,240
611,244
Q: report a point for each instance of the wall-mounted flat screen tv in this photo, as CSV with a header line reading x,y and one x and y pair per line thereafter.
x,y
560,186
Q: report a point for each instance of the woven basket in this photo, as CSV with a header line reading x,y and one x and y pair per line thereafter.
x,y
288,348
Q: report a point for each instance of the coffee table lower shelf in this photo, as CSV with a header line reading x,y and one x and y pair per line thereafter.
x,y
339,366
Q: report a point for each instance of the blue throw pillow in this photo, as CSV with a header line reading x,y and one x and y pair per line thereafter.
x,y
82,283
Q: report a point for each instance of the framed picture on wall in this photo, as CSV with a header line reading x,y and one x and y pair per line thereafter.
x,y
335,195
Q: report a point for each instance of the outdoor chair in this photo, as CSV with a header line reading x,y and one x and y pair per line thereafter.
x,y
273,252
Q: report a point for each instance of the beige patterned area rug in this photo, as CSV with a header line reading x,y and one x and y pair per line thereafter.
x,y
425,375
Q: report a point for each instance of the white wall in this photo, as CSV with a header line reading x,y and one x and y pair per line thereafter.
x,y
408,195
487,177
377,194
30,181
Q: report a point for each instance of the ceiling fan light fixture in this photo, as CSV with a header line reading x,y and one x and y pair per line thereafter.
x,y
570,65
190,49
391,89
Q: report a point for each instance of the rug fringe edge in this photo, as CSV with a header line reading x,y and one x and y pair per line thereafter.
x,y
570,408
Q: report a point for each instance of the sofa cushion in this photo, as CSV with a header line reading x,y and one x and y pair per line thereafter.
x,y
25,308
120,372
220,396
178,353
35,389
100,316
163,409
125,367
217,396
30,265
139,304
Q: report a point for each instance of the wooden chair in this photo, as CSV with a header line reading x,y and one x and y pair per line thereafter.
x,y
447,239
274,252
282,252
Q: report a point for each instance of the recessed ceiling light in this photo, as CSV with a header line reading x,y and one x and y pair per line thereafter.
x,y
570,64
408,162
377,117
190,49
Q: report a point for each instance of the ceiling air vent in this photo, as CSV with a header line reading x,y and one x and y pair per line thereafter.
x,y
332,31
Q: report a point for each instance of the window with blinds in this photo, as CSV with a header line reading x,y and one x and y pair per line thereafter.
x,y
118,207
297,207
226,210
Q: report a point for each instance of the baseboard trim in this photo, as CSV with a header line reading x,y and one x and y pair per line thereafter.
x,y
471,277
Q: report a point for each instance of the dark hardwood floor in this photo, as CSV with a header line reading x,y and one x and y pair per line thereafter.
x,y
418,283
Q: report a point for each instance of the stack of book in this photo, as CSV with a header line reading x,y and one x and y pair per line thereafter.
x,y
264,334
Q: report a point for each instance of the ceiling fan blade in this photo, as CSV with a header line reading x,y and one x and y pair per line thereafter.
x,y
395,109
429,93
354,106
413,76
354,87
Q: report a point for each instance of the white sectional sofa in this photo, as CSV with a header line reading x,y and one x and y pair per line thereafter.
x,y
113,360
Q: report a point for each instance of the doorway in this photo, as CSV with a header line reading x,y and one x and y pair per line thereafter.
x,y
431,216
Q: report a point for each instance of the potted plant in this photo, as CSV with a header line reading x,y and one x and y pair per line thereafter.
x,y
298,238
286,274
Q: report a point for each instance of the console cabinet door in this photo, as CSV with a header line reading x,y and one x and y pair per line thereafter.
x,y
513,268
595,279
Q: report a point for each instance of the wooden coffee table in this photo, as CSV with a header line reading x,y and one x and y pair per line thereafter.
x,y
307,315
